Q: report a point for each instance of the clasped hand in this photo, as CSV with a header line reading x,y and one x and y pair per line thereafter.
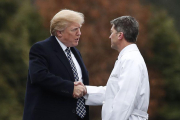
x,y
79,90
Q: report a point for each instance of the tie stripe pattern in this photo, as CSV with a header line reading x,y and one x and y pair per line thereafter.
x,y
80,108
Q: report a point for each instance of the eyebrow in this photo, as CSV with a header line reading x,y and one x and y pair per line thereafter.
x,y
76,27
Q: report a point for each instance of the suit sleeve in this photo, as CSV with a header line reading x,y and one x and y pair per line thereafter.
x,y
40,75
124,101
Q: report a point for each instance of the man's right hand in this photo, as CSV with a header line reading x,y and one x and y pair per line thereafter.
x,y
79,90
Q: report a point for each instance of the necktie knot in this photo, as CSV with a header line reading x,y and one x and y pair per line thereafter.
x,y
68,50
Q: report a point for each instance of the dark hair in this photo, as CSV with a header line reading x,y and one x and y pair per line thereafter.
x,y
128,25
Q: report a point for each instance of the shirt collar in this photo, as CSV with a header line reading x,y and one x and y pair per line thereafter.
x,y
129,48
61,44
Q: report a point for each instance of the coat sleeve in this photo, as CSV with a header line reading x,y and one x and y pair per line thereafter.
x,y
95,95
129,81
40,75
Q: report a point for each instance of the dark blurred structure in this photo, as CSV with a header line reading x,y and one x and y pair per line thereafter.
x,y
171,6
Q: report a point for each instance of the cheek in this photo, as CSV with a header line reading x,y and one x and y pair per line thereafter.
x,y
72,35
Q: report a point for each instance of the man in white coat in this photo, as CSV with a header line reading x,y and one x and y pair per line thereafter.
x,y
126,95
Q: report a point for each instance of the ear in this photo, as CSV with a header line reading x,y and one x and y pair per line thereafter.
x,y
120,35
59,34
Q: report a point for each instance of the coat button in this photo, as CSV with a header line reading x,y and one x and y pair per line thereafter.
x,y
73,111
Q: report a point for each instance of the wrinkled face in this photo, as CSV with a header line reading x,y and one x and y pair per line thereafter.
x,y
114,38
70,36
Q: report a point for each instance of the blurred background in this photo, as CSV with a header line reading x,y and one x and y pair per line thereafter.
x,y
24,22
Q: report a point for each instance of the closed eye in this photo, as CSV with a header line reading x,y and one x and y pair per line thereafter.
x,y
75,29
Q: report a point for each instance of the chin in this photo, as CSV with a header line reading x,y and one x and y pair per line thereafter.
x,y
74,45
113,47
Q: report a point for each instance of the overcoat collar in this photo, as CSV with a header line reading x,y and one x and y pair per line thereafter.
x,y
80,61
62,57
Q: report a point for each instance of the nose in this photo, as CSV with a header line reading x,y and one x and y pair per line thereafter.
x,y
110,37
79,32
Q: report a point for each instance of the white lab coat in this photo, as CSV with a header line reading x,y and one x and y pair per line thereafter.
x,y
126,95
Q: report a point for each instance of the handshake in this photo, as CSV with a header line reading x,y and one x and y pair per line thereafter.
x,y
79,90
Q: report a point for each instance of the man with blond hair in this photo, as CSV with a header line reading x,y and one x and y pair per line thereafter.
x,y
54,65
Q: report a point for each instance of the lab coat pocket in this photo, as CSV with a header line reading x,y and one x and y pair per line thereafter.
x,y
112,88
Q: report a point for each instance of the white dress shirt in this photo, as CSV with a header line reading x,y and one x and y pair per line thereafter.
x,y
126,94
78,68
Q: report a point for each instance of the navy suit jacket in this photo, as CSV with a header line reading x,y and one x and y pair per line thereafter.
x,y
50,83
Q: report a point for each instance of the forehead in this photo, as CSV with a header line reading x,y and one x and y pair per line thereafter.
x,y
73,25
112,28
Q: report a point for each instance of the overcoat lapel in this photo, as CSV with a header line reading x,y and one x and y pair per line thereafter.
x,y
61,56
78,58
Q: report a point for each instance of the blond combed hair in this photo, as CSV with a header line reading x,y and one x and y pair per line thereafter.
x,y
63,18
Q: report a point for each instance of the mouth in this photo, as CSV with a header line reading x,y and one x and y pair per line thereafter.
x,y
77,39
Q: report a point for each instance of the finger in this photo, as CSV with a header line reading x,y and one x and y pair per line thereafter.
x,y
75,83
79,93
80,83
74,96
84,90
82,94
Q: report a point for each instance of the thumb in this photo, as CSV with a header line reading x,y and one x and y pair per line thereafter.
x,y
75,83
78,83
